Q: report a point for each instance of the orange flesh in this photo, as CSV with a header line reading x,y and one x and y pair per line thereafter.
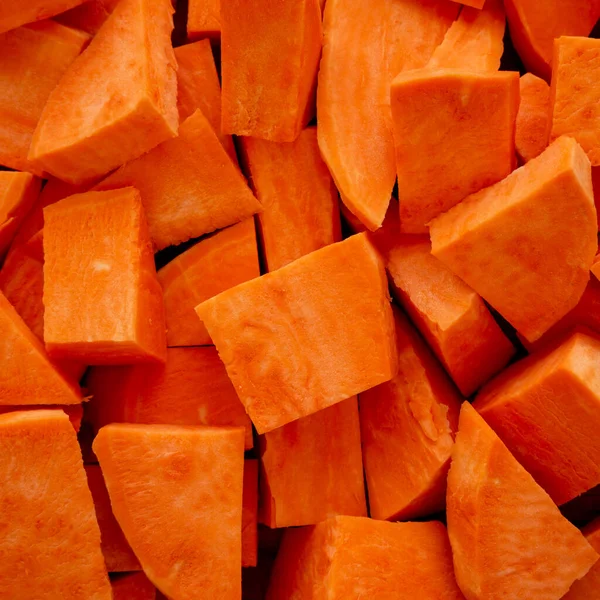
x,y
198,87
366,44
204,19
407,428
121,93
118,556
187,193
50,541
312,468
27,375
14,13
309,303
350,557
191,389
504,240
89,16
213,265
454,132
574,97
533,31
250,514
177,495
299,199
269,92
533,119
508,538
73,411
589,586
546,409
474,42
114,314
40,54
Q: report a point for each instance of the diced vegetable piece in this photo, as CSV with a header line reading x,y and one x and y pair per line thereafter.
x,y
118,556
187,193
133,586
14,13
35,57
213,265
27,375
116,101
18,193
366,44
191,389
508,538
103,303
407,427
533,119
263,329
299,199
204,19
589,586
73,411
198,87
533,31
269,60
473,3
312,468
455,134
50,542
575,93
89,16
474,42
346,556
506,240
546,409
177,495
250,514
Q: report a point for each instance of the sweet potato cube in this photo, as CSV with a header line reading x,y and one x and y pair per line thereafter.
x,y
103,303
204,19
533,119
296,487
526,244
264,328
14,13
589,586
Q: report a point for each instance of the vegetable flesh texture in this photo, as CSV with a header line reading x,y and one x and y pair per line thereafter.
x,y
269,60
299,199
346,557
89,16
121,93
211,266
407,427
191,389
312,468
204,19
158,476
589,586
546,409
110,308
50,542
366,44
508,538
575,94
198,87
13,13
263,327
506,239
187,193
39,54
455,134
533,120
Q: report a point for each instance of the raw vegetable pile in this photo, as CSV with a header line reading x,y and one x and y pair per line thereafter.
x,y
299,300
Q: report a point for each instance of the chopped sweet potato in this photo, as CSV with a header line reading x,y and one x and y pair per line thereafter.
x,y
589,586
50,541
454,134
133,586
533,119
187,193
103,303
299,199
204,19
191,389
177,495
508,538
14,13
250,514
89,16
211,266
407,427
312,468
90,124
506,239
263,328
